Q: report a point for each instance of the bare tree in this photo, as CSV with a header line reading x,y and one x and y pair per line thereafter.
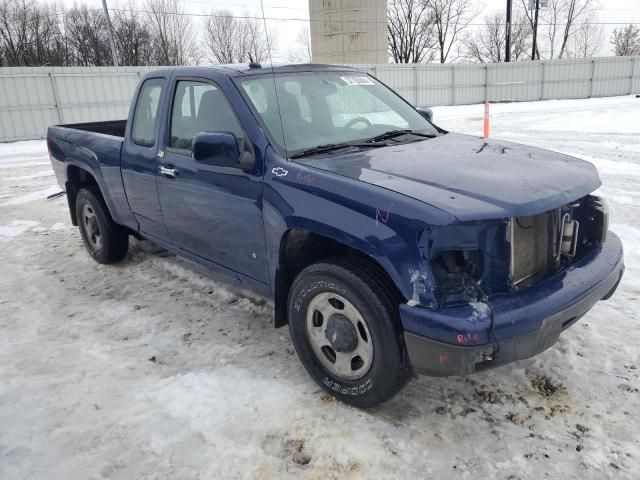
x,y
256,41
236,40
221,35
14,31
172,35
301,52
488,43
560,22
521,38
587,38
626,41
31,34
411,34
552,16
304,38
46,44
450,18
86,32
574,10
132,36
528,15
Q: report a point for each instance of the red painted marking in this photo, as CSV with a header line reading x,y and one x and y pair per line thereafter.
x,y
305,178
380,218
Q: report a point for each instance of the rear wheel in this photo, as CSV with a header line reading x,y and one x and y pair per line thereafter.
x,y
345,327
106,241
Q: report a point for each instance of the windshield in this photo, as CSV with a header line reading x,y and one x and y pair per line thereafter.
x,y
320,108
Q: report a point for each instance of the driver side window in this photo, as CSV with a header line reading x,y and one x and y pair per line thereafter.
x,y
200,107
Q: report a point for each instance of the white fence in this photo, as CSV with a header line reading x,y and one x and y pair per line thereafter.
x,y
33,98
463,83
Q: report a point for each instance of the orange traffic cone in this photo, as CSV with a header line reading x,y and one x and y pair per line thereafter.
x,y
485,133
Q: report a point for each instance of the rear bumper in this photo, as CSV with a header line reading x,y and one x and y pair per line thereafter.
x,y
458,340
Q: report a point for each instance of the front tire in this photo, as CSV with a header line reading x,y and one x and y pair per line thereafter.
x,y
105,240
345,326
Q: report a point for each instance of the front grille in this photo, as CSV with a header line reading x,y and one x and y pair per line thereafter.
x,y
532,245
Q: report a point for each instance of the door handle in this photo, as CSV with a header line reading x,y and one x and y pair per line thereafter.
x,y
169,172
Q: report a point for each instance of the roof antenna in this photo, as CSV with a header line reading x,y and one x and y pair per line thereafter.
x,y
273,75
252,63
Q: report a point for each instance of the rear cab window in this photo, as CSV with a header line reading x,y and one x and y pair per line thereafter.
x,y
143,130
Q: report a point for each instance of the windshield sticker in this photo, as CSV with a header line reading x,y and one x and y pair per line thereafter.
x,y
358,80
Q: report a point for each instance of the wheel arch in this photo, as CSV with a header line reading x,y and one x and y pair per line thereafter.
x,y
78,177
301,246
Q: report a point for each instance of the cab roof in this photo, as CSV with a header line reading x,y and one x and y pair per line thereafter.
x,y
245,69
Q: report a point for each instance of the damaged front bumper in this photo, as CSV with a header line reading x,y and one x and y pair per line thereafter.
x,y
460,340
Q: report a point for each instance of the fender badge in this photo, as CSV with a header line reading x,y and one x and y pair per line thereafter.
x,y
279,171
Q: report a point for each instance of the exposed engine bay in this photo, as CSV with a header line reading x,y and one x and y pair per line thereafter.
x,y
518,251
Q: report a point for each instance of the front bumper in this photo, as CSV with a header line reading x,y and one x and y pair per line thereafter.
x,y
458,340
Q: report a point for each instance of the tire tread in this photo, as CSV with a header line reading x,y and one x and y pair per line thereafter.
x,y
115,238
383,297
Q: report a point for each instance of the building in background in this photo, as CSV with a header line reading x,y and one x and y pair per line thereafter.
x,y
348,31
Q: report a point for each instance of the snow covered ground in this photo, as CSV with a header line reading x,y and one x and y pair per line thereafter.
x,y
155,369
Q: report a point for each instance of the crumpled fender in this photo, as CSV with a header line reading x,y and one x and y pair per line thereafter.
x,y
379,223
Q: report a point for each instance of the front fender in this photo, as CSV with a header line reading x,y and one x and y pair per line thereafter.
x,y
379,223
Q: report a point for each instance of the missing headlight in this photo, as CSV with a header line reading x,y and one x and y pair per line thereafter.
x,y
597,220
450,268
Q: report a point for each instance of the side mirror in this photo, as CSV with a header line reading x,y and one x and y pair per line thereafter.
x,y
222,149
426,112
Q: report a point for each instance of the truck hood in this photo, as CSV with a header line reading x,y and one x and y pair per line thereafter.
x,y
469,177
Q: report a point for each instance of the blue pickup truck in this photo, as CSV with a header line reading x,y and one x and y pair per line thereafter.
x,y
389,245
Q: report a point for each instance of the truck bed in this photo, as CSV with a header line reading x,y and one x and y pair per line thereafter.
x,y
94,147
115,128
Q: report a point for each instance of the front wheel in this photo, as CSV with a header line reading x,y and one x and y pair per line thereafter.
x,y
105,240
345,327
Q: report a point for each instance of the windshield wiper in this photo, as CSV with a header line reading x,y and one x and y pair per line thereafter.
x,y
397,133
330,147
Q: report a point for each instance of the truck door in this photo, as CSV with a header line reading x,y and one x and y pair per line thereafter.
x,y
139,158
212,211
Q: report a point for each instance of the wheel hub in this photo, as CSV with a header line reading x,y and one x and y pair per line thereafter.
x,y
94,229
91,227
341,334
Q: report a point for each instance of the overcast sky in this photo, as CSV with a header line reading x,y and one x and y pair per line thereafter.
x,y
292,15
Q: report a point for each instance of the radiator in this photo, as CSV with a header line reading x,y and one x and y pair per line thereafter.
x,y
533,241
